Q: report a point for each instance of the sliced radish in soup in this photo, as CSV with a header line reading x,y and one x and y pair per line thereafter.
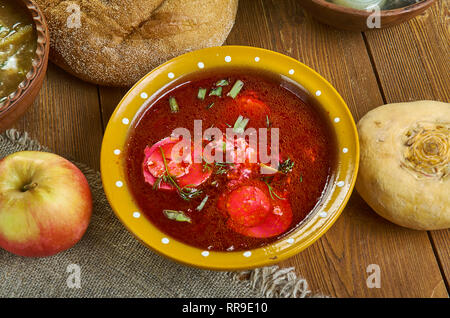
x,y
253,213
277,222
182,169
153,165
248,206
196,176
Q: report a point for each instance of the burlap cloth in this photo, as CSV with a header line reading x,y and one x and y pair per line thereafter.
x,y
114,264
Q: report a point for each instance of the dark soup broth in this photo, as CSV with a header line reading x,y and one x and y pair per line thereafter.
x,y
241,202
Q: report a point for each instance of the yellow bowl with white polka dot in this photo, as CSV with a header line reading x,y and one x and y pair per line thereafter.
x,y
315,225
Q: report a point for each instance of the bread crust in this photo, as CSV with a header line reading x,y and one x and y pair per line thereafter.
x,y
120,41
404,165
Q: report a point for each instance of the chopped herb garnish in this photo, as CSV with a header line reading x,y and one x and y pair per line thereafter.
x,y
228,124
216,92
210,106
173,105
240,124
178,216
286,166
223,82
224,146
223,167
267,122
265,169
202,204
224,164
236,89
272,192
206,166
201,93
301,178
186,193
222,170
214,183
157,183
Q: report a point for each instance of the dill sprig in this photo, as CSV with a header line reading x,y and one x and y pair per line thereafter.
x,y
187,193
223,167
206,165
272,193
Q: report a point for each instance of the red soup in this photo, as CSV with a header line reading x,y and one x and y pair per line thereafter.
x,y
217,191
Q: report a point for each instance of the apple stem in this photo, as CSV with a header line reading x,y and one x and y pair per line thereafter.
x,y
29,187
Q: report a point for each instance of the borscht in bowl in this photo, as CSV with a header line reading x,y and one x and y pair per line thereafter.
x,y
226,158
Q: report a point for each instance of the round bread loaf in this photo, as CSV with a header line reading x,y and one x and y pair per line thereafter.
x,y
116,42
404,172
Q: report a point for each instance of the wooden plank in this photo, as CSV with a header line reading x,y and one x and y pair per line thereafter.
x,y
412,59
412,62
109,99
66,117
441,245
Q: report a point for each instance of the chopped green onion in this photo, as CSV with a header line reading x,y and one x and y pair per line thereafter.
x,y
202,204
201,93
301,178
228,125
210,106
236,89
223,82
240,124
178,216
173,105
216,92
267,122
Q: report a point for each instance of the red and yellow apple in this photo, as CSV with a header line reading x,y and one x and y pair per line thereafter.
x,y
45,204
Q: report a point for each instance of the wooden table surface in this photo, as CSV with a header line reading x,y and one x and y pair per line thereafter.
x,y
404,63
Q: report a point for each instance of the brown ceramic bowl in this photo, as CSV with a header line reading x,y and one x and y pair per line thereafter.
x,y
17,103
356,20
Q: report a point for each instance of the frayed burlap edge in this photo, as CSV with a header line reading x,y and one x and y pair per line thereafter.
x,y
268,282
275,282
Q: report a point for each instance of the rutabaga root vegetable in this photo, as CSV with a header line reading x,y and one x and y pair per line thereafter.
x,y
405,163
